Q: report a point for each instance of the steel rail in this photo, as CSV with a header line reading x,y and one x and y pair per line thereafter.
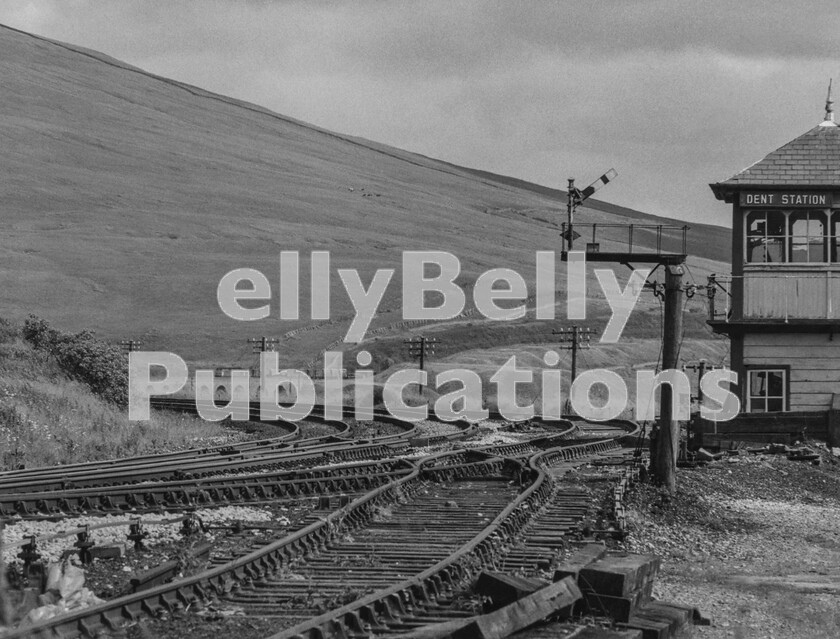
x,y
221,489
229,460
375,610
269,559
255,481
238,457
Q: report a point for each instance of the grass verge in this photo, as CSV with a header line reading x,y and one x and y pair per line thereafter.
x,y
47,419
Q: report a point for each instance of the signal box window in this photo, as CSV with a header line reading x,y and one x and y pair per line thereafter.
x,y
835,236
767,390
807,236
766,236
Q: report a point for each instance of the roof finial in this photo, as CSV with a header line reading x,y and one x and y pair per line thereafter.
x,y
829,111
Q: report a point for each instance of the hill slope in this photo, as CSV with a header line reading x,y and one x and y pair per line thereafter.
x,y
127,196
49,418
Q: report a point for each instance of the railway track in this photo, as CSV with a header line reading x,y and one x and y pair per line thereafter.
x,y
287,451
366,567
219,490
248,472
423,526
251,456
255,483
432,595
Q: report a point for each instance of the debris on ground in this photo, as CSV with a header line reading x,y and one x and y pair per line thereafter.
x,y
65,591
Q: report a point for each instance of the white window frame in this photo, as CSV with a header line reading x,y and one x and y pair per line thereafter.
x,y
787,245
785,238
750,395
810,214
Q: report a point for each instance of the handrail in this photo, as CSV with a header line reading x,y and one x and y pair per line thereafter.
x,y
632,229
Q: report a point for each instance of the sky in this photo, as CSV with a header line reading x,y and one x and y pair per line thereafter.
x,y
672,94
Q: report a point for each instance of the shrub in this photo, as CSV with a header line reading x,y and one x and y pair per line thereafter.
x,y
37,332
103,367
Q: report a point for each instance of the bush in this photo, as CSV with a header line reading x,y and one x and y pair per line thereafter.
x,y
103,367
37,332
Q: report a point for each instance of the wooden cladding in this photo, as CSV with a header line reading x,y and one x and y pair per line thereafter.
x,y
812,359
809,295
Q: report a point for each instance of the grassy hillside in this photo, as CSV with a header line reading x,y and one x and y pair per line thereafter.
x,y
126,197
47,418
625,359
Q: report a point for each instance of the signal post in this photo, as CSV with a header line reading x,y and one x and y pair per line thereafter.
x,y
664,456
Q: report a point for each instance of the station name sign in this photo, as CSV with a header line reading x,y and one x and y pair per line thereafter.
x,y
787,198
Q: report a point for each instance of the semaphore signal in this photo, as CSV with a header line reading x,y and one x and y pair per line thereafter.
x,y
575,197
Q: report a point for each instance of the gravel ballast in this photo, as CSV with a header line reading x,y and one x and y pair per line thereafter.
x,y
753,541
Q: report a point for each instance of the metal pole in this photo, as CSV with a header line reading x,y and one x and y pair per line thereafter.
x,y
570,209
574,352
669,428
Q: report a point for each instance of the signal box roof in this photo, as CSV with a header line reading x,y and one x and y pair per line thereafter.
x,y
811,160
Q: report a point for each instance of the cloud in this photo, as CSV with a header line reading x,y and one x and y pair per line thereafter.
x,y
674,95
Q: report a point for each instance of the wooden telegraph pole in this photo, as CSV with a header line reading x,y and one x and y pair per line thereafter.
x,y
131,345
667,441
263,344
576,337
420,347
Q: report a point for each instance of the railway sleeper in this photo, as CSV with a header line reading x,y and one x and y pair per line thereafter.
x,y
431,591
